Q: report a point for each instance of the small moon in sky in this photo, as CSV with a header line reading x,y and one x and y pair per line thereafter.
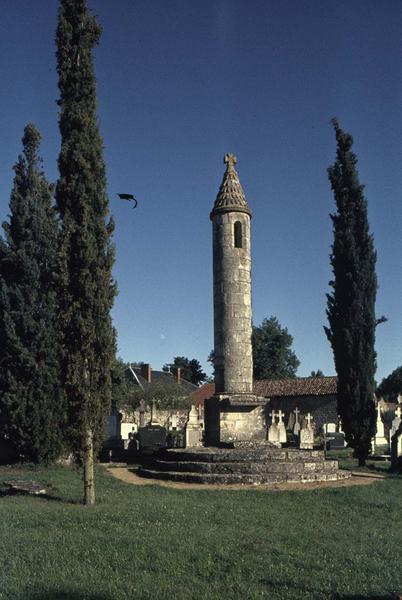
x,y
162,336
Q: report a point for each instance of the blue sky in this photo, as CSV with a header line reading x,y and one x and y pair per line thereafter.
x,y
182,82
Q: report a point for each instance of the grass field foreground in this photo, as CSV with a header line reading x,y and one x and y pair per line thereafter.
x,y
154,542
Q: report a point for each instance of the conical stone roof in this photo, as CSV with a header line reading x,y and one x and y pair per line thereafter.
x,y
231,197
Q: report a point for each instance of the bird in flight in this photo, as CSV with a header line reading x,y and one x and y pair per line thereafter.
x,y
128,197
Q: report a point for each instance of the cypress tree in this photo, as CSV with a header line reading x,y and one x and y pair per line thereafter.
x,y
86,252
351,304
31,401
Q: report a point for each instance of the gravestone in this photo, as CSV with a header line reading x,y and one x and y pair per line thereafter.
x,y
396,450
127,430
296,427
273,432
329,428
113,425
395,422
151,438
18,486
174,420
335,440
307,434
154,419
281,428
380,439
142,409
193,429
291,422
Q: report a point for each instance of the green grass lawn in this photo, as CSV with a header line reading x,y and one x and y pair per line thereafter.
x,y
153,542
374,466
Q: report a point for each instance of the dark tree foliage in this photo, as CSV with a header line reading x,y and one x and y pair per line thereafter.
x,y
167,396
273,357
317,373
351,304
391,386
87,255
123,389
191,370
31,401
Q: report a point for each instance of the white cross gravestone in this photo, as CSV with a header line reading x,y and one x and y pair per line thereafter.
x,y
296,427
273,432
307,434
281,428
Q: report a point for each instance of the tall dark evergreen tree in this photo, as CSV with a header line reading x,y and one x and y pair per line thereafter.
x,y
31,402
86,252
351,304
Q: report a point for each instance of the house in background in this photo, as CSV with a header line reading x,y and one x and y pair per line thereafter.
x,y
168,389
144,376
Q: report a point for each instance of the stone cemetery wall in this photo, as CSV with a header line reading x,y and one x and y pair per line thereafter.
x,y
170,419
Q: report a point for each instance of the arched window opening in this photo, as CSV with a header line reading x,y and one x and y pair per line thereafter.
x,y
238,241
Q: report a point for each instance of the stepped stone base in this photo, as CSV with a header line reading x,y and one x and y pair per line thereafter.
x,y
247,465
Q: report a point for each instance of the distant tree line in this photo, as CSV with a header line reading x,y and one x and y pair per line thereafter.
x,y
190,370
273,357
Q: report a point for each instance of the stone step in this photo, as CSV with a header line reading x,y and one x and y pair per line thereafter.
x,y
242,454
243,467
237,478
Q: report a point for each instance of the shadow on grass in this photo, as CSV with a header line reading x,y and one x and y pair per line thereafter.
x,y
364,597
64,595
48,497
307,591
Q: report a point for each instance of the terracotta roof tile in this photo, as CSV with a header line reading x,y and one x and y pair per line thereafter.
x,y
202,393
300,386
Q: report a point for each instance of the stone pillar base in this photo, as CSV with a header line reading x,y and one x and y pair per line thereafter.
x,y
234,418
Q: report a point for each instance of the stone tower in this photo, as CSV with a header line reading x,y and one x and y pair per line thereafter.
x,y
232,286
234,413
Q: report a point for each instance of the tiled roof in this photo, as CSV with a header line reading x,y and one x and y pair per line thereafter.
x,y
300,386
231,195
164,377
202,393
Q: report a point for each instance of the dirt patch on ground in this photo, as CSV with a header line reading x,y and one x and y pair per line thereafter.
x,y
128,475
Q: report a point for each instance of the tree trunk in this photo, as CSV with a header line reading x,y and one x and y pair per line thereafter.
x,y
89,479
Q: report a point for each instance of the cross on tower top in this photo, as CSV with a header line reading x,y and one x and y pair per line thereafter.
x,y
230,159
